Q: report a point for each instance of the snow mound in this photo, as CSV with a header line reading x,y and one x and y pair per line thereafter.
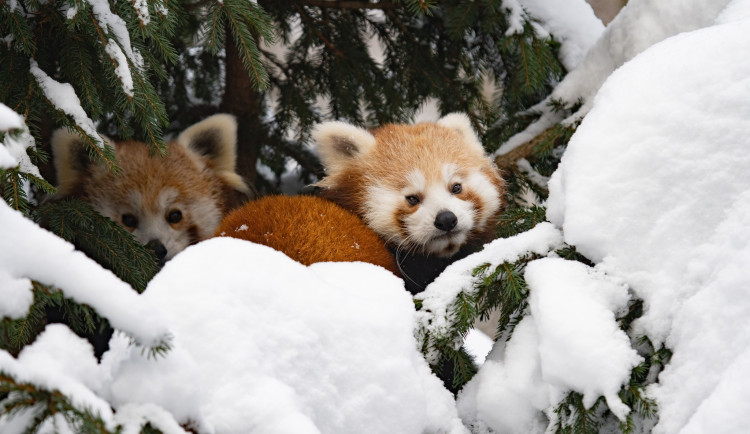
x,y
61,361
570,341
655,186
28,252
273,346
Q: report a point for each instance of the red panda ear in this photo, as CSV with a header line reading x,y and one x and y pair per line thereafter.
x,y
460,123
71,158
338,143
215,139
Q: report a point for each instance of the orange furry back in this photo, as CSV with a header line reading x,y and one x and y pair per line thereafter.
x,y
308,229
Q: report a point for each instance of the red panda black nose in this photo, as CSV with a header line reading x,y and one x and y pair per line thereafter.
x,y
159,250
445,221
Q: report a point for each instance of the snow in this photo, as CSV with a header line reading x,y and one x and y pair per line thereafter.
x,y
111,22
515,16
654,186
121,66
572,22
141,9
478,345
64,98
29,252
435,317
15,142
508,395
9,120
59,360
581,346
71,12
132,418
265,342
570,341
640,24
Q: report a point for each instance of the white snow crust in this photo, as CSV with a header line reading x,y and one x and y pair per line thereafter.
x,y
570,341
266,343
15,142
30,252
64,98
59,360
640,24
121,66
435,317
654,186
572,22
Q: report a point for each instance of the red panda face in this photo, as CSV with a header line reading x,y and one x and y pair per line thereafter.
x,y
426,188
167,203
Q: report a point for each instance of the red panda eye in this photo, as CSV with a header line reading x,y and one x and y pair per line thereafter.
x,y
129,220
456,189
174,216
412,200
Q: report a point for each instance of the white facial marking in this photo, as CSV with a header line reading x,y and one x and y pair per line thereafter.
x,y
384,204
450,173
416,182
153,224
381,205
486,190
421,224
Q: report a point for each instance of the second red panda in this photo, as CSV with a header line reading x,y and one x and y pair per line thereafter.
x,y
308,229
424,190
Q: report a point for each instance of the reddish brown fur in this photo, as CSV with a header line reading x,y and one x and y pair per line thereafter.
x,y
167,202
151,174
308,229
400,149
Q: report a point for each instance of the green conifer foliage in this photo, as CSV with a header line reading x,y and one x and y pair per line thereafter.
x,y
106,57
140,73
368,63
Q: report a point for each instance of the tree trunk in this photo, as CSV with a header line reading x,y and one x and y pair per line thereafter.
x,y
243,101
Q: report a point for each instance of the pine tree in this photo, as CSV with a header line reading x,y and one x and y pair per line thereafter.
x,y
145,69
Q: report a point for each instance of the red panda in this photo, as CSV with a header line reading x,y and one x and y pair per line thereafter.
x,y
308,229
426,190
167,203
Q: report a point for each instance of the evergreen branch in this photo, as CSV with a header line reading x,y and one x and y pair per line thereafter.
x,y
141,94
21,31
13,194
10,55
102,239
516,220
216,33
309,21
15,334
39,182
351,4
90,96
103,39
28,100
525,62
460,23
45,403
573,416
420,6
154,136
549,138
244,41
103,153
462,366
